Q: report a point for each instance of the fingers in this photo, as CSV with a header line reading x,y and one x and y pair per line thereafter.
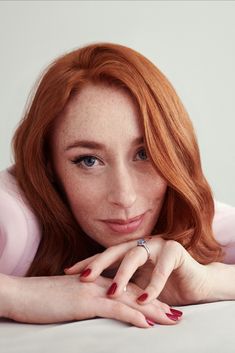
x,y
127,310
135,258
115,310
92,267
79,266
171,258
161,314
154,312
157,311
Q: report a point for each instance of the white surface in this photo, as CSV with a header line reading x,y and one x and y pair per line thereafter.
x,y
205,328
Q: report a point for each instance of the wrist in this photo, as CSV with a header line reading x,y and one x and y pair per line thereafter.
x,y
222,278
6,288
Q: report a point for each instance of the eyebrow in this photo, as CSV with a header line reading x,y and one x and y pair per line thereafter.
x,y
97,145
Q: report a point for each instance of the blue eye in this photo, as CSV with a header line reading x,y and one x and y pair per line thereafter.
x,y
143,155
89,161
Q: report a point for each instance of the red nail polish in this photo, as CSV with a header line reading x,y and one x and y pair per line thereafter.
x,y
112,289
172,317
85,273
143,297
176,312
150,322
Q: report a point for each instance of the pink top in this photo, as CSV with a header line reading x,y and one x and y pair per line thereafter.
x,y
20,230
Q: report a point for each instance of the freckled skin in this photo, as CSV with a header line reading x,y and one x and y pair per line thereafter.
x,y
120,184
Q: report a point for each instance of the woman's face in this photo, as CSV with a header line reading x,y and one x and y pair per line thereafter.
x,y
100,159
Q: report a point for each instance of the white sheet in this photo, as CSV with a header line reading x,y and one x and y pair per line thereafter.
x,y
205,328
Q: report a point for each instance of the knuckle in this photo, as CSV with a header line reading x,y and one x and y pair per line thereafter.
x,y
133,289
159,240
109,250
131,253
118,308
152,289
173,245
170,243
133,256
99,259
94,262
120,274
159,273
137,315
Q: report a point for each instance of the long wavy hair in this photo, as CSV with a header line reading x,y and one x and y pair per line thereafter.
x,y
188,208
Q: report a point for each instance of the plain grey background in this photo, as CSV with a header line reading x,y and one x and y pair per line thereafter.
x,y
192,42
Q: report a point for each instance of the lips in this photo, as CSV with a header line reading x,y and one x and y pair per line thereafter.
x,y
120,221
125,227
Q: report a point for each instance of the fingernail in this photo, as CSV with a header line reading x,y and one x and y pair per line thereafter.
x,y
112,289
143,297
150,322
85,273
172,317
176,312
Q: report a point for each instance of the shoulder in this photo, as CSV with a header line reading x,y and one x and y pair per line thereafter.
x,y
19,228
224,229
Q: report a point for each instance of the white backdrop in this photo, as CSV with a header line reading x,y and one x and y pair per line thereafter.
x,y
192,42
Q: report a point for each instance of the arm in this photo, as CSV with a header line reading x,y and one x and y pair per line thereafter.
x,y
223,274
4,295
54,299
222,281
20,234
224,230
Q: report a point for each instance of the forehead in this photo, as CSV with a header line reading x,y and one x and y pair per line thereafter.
x,y
99,111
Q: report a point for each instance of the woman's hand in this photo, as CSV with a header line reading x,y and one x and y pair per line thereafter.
x,y
64,298
170,274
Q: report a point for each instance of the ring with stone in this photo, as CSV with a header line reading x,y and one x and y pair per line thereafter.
x,y
143,243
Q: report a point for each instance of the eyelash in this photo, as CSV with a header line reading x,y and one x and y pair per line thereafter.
x,y
78,160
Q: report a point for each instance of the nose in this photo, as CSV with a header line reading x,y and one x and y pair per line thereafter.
x,y
121,191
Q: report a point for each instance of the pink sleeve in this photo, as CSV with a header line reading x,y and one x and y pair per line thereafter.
x,y
19,235
224,230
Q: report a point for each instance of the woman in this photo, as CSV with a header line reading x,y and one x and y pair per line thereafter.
x,y
107,178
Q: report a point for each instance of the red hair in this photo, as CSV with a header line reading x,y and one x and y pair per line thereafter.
x,y
188,209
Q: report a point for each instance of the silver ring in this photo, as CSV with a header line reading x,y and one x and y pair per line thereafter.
x,y
142,242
